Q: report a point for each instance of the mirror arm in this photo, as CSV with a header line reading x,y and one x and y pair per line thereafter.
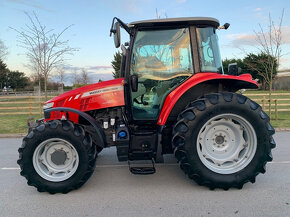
x,y
112,30
124,26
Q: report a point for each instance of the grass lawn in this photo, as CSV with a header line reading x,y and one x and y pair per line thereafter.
x,y
13,124
17,123
283,120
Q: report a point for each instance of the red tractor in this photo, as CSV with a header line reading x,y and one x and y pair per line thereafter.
x,y
172,97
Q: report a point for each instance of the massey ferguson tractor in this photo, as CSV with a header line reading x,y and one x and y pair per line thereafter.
x,y
172,97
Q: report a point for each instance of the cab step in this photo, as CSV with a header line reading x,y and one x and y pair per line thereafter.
x,y
142,170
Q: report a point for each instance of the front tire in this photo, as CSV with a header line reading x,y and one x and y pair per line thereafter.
x,y
223,140
57,157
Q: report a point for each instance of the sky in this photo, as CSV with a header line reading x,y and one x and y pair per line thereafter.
x,y
92,19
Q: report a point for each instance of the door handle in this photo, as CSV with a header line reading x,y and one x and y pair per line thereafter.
x,y
134,83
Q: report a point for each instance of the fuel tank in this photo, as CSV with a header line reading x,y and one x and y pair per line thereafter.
x,y
91,97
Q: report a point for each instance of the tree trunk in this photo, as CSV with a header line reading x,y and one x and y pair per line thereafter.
x,y
45,87
39,86
270,97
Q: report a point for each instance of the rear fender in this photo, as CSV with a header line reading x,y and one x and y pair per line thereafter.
x,y
99,136
200,84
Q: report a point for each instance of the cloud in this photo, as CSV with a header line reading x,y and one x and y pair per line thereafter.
x,y
99,67
93,77
101,76
246,39
72,68
96,73
89,68
242,39
258,9
286,34
284,63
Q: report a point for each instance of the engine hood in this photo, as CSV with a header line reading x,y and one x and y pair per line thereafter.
x,y
94,96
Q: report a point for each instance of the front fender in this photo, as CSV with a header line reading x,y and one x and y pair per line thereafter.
x,y
235,82
92,121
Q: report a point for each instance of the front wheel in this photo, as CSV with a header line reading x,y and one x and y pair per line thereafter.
x,y
223,140
57,156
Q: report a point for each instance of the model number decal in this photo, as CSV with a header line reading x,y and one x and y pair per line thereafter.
x,y
103,90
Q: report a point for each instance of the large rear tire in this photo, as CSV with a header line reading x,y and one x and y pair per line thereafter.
x,y
57,157
223,140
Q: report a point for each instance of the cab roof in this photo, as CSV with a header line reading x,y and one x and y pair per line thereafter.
x,y
179,21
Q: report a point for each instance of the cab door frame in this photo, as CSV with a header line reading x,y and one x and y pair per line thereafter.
x,y
127,86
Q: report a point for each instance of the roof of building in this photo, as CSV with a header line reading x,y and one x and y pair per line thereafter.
x,y
177,21
283,74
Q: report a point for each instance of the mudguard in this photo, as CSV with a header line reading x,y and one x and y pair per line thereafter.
x,y
242,81
92,121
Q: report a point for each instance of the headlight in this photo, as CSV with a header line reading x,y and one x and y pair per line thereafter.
x,y
48,105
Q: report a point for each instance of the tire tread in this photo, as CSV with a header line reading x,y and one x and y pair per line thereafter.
x,y
182,154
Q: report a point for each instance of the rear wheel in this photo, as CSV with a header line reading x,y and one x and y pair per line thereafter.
x,y
223,140
57,156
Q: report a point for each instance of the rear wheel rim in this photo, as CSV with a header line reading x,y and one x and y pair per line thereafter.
x,y
226,143
55,160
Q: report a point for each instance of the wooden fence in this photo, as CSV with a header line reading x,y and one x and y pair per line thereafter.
x,y
32,105
280,102
21,105
27,93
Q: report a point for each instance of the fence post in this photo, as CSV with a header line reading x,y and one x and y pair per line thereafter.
x,y
276,110
40,104
30,106
263,101
269,104
40,107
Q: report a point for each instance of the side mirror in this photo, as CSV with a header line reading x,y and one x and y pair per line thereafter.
x,y
117,35
134,83
233,69
225,26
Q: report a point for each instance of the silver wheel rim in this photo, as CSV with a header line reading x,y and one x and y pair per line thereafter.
x,y
226,143
55,160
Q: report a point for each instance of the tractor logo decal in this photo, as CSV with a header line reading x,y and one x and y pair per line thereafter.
x,y
103,90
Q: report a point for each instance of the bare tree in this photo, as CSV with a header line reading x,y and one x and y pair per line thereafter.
x,y
84,76
34,67
43,47
269,43
75,77
3,50
60,73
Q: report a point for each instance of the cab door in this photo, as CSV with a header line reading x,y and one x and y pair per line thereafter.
x,y
161,59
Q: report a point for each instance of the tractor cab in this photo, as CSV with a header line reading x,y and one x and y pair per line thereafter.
x,y
161,55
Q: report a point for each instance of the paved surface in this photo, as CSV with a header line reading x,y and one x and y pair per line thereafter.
x,y
113,191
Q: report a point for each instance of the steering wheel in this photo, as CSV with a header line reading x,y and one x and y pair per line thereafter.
x,y
142,100
209,52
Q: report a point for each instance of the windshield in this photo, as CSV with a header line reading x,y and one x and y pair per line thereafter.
x,y
209,54
161,55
